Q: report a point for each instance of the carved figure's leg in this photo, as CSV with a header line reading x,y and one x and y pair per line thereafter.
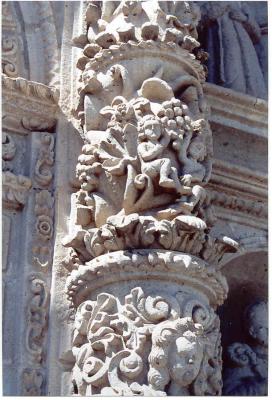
x,y
165,173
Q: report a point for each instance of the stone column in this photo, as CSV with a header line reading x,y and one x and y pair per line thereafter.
x,y
144,276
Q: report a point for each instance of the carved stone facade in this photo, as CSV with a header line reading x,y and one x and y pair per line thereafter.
x,y
139,195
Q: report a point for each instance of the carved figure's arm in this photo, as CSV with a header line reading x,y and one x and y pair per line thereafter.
x,y
165,140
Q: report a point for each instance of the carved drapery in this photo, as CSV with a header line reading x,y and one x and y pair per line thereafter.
x,y
144,275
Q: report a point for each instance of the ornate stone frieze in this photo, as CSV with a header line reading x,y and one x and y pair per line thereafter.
x,y
238,192
248,373
137,264
140,223
28,106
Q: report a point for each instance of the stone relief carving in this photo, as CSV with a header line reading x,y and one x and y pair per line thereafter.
x,y
157,162
50,44
33,377
230,32
33,380
9,56
10,43
43,169
120,266
144,277
142,345
8,151
28,106
249,374
146,158
15,189
37,318
259,209
44,228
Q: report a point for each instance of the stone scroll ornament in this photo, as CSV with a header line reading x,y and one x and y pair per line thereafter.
x,y
144,275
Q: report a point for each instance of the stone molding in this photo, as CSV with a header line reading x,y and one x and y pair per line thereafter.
x,y
10,42
240,190
28,106
237,110
161,266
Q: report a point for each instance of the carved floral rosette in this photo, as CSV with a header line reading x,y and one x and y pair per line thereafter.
x,y
144,276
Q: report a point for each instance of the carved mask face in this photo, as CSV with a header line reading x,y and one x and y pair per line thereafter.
x,y
152,129
184,360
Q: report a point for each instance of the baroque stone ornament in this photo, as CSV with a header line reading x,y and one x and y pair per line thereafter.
x,y
248,375
144,268
231,29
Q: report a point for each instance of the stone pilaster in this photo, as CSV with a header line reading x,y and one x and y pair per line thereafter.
x,y
144,278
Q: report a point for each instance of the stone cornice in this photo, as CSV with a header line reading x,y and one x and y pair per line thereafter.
x,y
237,193
237,111
239,179
28,105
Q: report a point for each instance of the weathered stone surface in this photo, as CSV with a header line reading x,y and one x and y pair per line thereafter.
x,y
116,228
230,33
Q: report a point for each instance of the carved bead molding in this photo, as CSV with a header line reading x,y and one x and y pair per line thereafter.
x,y
144,275
28,106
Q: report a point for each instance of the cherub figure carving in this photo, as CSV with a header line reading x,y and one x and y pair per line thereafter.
x,y
197,157
176,356
249,375
154,141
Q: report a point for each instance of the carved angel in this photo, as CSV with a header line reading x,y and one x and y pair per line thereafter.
x,y
151,148
176,356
